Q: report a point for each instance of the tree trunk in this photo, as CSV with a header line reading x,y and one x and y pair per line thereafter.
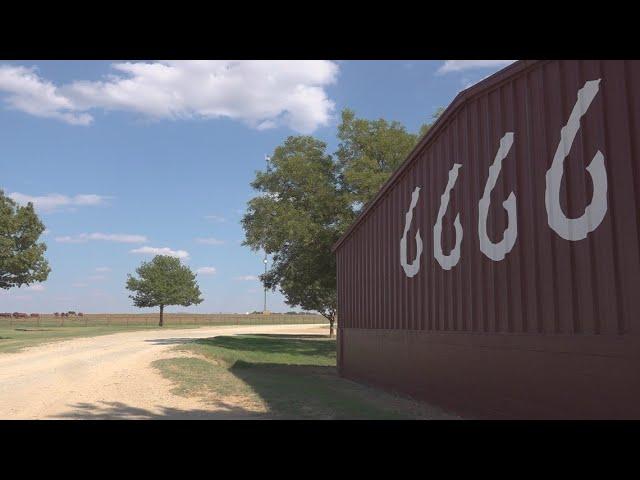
x,y
331,321
161,312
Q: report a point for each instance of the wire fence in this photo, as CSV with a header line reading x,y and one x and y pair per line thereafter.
x,y
150,320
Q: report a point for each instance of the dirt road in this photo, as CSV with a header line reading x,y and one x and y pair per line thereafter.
x,y
108,376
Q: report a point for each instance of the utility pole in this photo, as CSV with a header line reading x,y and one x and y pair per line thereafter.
x,y
265,288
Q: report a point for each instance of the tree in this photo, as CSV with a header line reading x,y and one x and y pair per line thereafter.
x,y
22,260
298,217
370,151
427,126
164,281
307,200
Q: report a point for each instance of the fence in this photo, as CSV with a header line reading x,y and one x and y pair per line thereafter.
x,y
150,320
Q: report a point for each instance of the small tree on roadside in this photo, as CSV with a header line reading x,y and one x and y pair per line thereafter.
x,y
22,260
164,281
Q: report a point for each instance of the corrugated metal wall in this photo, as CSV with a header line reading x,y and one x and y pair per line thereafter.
x,y
584,292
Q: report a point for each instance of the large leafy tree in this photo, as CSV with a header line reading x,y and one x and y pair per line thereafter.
x,y
164,281
300,213
22,260
307,200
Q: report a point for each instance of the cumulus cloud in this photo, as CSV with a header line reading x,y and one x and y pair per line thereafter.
x,y
206,270
107,237
247,278
27,92
161,251
460,65
261,93
55,201
210,241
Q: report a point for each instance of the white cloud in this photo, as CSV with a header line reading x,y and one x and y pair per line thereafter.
x,y
210,241
55,201
36,287
247,278
31,94
206,270
107,237
460,65
261,93
161,251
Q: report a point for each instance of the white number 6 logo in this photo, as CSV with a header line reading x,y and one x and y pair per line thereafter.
x,y
447,261
576,228
410,269
497,251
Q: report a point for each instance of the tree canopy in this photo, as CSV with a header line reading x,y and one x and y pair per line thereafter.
x,y
368,152
307,199
22,260
164,281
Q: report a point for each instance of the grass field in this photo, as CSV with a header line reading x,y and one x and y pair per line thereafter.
x,y
16,338
16,334
280,376
151,319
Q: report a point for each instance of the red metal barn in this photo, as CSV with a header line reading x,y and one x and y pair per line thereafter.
x,y
497,272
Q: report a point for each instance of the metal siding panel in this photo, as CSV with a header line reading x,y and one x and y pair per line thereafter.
x,y
516,313
557,110
632,77
475,268
542,155
528,216
500,282
622,193
431,271
575,303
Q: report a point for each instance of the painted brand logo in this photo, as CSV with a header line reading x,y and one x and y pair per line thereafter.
x,y
571,229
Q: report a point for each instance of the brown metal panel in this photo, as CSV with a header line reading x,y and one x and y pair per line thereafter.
x,y
552,330
623,194
541,154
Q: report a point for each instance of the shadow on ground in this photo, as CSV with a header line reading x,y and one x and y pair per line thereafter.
x,y
292,376
122,411
295,344
170,341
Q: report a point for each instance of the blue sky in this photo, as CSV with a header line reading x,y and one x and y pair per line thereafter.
x,y
127,159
